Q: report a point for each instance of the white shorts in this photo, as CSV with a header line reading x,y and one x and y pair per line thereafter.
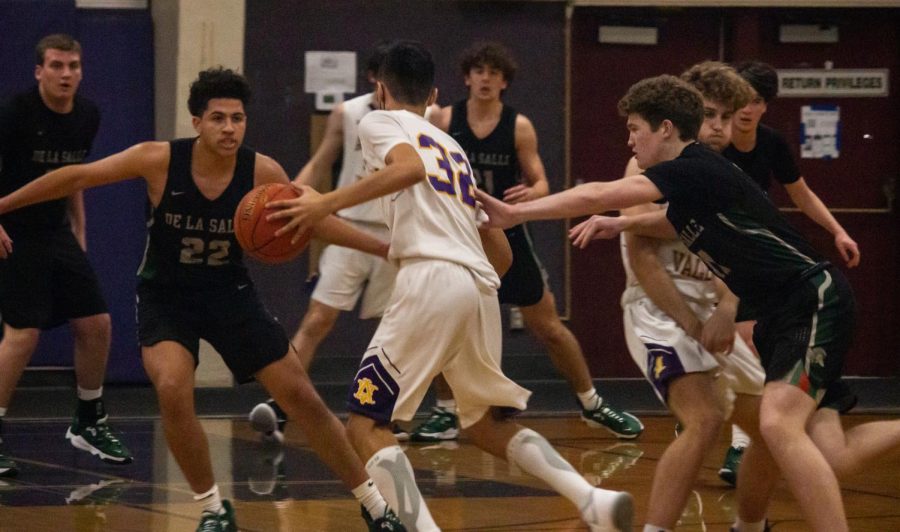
x,y
440,320
663,351
345,274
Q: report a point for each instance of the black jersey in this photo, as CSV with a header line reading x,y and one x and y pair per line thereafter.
x,y
771,157
190,239
493,158
35,140
724,218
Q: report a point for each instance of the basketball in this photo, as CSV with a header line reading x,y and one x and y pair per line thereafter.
x,y
256,235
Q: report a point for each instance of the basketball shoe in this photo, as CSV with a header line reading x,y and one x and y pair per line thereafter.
x,y
729,470
8,467
269,419
98,439
624,425
442,425
387,522
608,510
220,522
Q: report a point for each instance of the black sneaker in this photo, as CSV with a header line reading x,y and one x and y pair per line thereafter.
x,y
387,522
220,522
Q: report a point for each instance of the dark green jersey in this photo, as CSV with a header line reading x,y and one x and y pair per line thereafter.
x,y
190,238
724,218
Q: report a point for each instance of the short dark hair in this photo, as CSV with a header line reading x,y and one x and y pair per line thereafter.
x,y
761,76
373,64
408,72
490,54
56,41
720,83
665,98
218,82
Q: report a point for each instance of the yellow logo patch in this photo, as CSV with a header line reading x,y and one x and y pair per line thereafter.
x,y
658,367
364,391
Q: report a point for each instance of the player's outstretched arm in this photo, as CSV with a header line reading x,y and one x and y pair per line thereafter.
x,y
589,198
138,160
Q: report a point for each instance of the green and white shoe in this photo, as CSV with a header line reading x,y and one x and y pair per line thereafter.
x,y
443,425
220,522
389,522
99,440
624,425
729,470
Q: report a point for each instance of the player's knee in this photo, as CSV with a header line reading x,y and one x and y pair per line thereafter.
x,y
21,342
97,326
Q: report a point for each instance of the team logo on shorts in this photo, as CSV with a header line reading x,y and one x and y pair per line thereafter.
x,y
365,389
663,365
374,391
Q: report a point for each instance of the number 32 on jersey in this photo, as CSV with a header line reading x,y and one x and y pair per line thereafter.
x,y
455,176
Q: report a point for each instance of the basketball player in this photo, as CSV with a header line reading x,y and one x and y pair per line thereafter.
x,y
444,303
345,273
672,306
501,145
48,280
193,284
727,221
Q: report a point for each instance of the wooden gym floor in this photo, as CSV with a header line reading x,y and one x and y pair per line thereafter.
x,y
287,489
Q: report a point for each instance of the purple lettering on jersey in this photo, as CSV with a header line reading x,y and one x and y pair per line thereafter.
x,y
458,176
438,182
464,177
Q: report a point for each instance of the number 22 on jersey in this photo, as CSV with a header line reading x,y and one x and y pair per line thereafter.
x,y
455,176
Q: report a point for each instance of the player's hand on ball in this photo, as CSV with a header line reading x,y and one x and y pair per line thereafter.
x,y
595,228
301,213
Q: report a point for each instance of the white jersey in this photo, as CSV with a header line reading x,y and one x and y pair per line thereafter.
x,y
352,168
691,276
436,217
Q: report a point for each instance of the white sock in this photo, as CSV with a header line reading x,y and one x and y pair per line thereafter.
x,y
90,395
534,455
654,528
392,473
369,496
2,411
741,526
211,501
590,400
739,438
447,404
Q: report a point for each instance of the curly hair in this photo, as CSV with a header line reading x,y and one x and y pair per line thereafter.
x,y
491,54
720,83
56,41
665,98
218,82
761,76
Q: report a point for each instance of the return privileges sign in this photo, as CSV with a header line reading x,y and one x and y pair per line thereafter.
x,y
846,82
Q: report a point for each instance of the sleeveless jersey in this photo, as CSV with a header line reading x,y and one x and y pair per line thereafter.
x,y
190,239
436,218
35,140
352,162
493,158
692,278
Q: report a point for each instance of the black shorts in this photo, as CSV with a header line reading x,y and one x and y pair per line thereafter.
x,y
46,281
232,320
524,283
805,341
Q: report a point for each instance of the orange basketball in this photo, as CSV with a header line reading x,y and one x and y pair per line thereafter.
x,y
256,235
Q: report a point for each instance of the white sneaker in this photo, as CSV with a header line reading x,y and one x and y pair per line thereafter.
x,y
609,511
264,419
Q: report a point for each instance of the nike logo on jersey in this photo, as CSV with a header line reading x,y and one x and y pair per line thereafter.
x,y
242,286
177,192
